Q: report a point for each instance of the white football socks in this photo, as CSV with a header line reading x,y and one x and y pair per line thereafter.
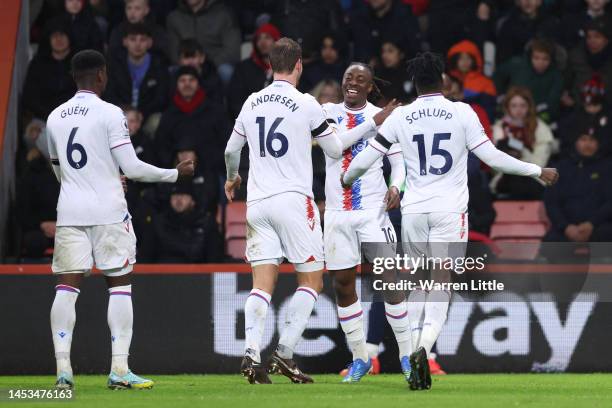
x,y
397,316
351,321
300,309
255,311
436,308
63,317
416,306
120,321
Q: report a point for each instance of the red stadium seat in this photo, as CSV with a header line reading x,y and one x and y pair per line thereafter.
x,y
235,213
518,230
236,248
235,231
520,211
518,249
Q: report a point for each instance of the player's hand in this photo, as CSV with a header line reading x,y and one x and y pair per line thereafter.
x,y
48,228
186,168
380,117
586,230
123,183
231,186
392,198
342,183
549,176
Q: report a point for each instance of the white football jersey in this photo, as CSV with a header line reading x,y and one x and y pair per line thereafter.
x,y
279,123
82,132
369,190
436,136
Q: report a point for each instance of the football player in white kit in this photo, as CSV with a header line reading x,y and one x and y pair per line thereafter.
x,y
89,142
358,213
279,123
436,136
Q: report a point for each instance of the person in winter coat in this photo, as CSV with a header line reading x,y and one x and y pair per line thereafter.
x,y
84,30
465,63
192,54
537,71
254,73
137,77
574,23
192,114
590,61
580,205
213,25
522,135
48,82
392,70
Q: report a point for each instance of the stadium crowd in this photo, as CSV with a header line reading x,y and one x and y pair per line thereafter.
x,y
537,72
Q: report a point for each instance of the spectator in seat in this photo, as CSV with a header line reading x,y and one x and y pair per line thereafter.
x,y
213,25
254,73
84,30
48,82
327,91
526,21
537,71
184,233
574,24
192,54
579,206
330,64
521,134
592,112
37,194
392,69
465,63
192,114
383,19
453,90
306,21
138,12
590,61
137,77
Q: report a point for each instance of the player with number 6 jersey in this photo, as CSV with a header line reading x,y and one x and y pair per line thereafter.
x,y
89,143
279,124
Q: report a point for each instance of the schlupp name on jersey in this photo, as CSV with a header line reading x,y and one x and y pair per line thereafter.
x,y
428,113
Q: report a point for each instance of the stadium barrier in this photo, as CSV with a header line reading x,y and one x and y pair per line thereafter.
x,y
189,319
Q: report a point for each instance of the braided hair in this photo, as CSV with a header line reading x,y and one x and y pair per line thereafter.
x,y
426,71
375,94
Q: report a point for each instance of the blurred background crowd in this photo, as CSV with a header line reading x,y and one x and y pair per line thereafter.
x,y
537,72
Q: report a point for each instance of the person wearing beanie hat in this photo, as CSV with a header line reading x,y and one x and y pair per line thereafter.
x,y
136,76
48,82
192,114
184,232
253,73
191,53
591,61
580,205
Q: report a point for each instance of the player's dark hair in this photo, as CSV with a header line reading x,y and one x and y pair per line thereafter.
x,y
189,47
86,64
375,94
284,55
426,71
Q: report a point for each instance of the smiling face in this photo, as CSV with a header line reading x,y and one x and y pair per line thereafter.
x,y
357,83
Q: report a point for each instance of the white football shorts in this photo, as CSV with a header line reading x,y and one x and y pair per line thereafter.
x,y
285,225
109,247
346,230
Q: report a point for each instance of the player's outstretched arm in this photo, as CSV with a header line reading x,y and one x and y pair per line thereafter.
x,y
507,164
135,169
232,163
364,160
351,136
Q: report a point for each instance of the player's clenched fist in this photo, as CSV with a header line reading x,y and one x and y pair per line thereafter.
x,y
549,176
186,168
392,198
231,186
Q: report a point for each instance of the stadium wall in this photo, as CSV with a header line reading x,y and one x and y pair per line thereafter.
x,y
14,43
189,319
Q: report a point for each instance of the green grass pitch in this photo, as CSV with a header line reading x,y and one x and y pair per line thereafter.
x,y
382,391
